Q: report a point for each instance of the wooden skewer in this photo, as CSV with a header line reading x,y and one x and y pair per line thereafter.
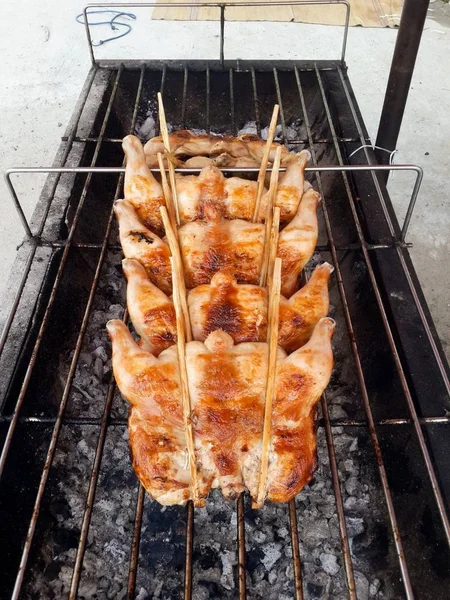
x,y
165,137
269,217
184,389
272,339
273,245
265,160
177,264
166,191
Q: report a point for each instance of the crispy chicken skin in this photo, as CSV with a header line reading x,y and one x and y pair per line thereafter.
x,y
233,198
300,314
227,390
300,381
156,426
185,143
218,244
238,309
298,241
140,243
151,311
140,187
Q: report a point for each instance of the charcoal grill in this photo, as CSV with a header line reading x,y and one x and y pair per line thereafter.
x,y
74,520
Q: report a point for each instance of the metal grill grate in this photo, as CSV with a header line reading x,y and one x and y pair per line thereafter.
x,y
369,252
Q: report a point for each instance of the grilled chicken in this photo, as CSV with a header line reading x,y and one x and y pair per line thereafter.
x,y
233,197
141,188
299,315
247,148
183,142
297,241
290,187
227,390
157,434
300,380
151,311
140,243
238,309
218,244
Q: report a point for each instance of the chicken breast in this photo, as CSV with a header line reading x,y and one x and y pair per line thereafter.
x,y
140,187
218,244
151,311
301,379
157,435
238,309
298,241
227,388
140,243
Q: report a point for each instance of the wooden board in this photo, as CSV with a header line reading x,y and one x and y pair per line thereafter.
x,y
363,13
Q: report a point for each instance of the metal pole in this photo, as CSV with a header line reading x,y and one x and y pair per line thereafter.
x,y
402,68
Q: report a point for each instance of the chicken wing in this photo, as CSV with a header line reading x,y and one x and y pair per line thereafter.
x,y
238,309
141,188
297,241
157,435
301,379
228,144
227,389
218,244
290,187
140,243
151,311
300,314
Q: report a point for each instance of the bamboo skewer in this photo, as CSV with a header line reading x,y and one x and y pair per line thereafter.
x,y
273,245
166,192
272,338
177,265
269,217
184,386
166,141
265,160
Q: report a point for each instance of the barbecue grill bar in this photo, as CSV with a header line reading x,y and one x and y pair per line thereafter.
x,y
393,410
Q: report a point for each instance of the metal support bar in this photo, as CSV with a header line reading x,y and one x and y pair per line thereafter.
x,y
221,6
402,68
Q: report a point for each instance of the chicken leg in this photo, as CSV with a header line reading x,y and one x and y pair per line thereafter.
x,y
298,241
151,311
300,381
157,435
141,188
140,243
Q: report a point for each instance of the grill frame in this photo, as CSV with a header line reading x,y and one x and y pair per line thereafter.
x,y
396,245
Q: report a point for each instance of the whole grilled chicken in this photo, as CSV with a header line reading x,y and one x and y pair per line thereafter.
x,y
140,243
157,434
298,241
141,188
301,379
238,309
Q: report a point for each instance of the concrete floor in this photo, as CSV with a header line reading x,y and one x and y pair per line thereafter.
x,y
45,62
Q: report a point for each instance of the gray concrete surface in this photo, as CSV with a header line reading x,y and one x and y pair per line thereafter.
x,y
45,61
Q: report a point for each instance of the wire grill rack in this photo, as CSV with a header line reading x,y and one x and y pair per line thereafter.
x,y
204,96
